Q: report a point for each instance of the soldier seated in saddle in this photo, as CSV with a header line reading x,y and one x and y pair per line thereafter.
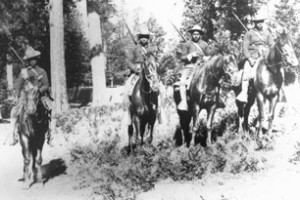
x,y
256,42
31,73
134,59
192,52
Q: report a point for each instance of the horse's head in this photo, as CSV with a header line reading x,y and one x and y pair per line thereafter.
x,y
230,66
284,43
150,66
31,97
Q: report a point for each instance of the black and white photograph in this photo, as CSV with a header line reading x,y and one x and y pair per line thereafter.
x,y
149,99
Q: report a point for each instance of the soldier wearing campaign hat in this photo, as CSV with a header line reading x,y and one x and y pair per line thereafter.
x,y
256,42
32,72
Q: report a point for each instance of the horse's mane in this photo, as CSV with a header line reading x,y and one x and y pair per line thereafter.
x,y
207,70
271,53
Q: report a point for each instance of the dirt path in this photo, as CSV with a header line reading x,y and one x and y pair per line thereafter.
x,y
279,180
11,167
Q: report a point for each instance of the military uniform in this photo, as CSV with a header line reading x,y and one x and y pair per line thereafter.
x,y
134,59
255,44
35,75
191,53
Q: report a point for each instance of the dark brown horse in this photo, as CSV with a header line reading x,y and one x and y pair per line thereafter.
x,y
268,81
144,101
204,93
33,124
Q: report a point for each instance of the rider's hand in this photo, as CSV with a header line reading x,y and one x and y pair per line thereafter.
x,y
189,57
192,55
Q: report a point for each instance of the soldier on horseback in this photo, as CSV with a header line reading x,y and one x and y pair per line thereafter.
x,y
191,53
37,75
134,59
256,42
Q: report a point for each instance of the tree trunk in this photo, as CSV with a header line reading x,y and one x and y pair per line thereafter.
x,y
83,17
98,61
58,69
9,77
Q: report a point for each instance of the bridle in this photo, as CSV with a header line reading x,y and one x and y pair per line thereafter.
x,y
225,69
31,98
149,68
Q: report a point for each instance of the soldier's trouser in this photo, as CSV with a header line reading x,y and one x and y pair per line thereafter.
x,y
186,76
14,113
247,75
128,89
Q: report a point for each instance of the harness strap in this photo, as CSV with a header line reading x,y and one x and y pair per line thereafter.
x,y
36,73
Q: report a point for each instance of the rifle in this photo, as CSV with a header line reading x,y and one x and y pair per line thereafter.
x,y
257,33
20,59
239,21
10,47
184,39
131,35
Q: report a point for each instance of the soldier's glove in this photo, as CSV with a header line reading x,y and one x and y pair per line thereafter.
x,y
192,55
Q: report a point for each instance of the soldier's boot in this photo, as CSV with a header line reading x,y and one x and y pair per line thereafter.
x,y
243,96
11,138
183,103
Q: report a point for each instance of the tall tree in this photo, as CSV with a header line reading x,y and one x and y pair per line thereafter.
x,y
98,60
58,70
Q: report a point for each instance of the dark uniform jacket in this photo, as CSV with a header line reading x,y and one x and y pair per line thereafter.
x,y
253,39
189,47
135,56
36,74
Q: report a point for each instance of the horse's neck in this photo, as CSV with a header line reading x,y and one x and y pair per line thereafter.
x,y
214,72
145,86
274,57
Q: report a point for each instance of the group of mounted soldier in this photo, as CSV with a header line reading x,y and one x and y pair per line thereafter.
x,y
255,43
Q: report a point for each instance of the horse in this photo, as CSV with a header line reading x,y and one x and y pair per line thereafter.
x,y
204,93
267,82
33,124
143,106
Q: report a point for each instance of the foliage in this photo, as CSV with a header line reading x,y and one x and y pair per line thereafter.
x,y
100,160
287,15
157,34
215,14
76,51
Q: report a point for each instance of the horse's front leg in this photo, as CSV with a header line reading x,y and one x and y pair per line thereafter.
x,y
38,160
150,130
241,118
196,122
27,159
260,105
130,138
272,106
210,116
